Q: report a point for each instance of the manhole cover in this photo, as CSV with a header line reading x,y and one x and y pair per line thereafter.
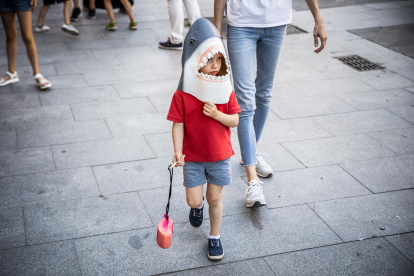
x,y
359,63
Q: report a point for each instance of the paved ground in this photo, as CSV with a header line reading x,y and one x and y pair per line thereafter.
x,y
83,175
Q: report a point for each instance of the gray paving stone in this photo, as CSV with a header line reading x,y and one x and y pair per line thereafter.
x,y
385,174
387,81
378,99
97,45
335,150
144,89
400,141
267,232
332,87
242,268
77,67
46,70
11,229
36,116
6,89
92,153
309,107
62,134
142,124
137,253
8,140
411,89
23,190
292,130
278,158
19,100
404,243
161,144
310,185
57,57
162,102
135,176
56,221
122,54
370,257
405,112
13,162
110,109
155,201
294,75
79,95
95,78
363,216
361,122
283,92
57,258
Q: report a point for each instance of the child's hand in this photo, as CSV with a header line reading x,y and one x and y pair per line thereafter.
x,y
179,158
210,109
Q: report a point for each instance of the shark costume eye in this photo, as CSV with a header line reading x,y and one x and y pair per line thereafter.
x,y
206,42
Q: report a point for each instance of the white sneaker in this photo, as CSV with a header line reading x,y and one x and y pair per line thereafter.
x,y
70,29
254,194
42,29
262,168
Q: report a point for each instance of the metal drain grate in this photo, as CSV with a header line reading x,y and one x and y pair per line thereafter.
x,y
359,63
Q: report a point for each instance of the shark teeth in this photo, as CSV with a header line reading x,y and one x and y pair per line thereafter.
x,y
210,55
213,78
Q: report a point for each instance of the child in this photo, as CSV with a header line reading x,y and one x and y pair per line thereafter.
x,y
66,27
133,25
203,109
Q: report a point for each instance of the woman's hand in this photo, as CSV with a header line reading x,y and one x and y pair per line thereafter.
x,y
33,3
319,31
179,158
210,109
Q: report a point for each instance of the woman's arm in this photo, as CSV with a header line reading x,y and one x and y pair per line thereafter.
x,y
210,110
319,30
178,136
218,13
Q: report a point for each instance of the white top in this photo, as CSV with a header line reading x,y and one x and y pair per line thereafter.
x,y
258,13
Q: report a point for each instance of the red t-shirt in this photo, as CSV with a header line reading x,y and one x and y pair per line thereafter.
x,y
205,139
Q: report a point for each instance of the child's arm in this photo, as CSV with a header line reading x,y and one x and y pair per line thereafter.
x,y
210,110
178,136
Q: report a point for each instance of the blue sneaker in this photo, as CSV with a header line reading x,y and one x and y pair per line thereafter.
x,y
196,216
215,249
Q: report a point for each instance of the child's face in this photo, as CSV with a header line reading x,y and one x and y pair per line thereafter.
x,y
212,66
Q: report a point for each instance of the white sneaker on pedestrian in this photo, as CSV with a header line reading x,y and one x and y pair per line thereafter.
x,y
42,29
254,194
68,28
262,168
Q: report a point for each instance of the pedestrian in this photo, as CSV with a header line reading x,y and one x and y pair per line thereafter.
x,y
175,9
202,110
23,9
76,12
255,33
133,25
66,27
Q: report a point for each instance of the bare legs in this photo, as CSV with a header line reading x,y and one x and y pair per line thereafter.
x,y
213,196
42,14
9,23
110,10
66,11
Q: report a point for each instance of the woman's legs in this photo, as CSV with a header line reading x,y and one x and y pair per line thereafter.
x,y
66,11
128,9
9,23
25,21
42,14
109,10
213,195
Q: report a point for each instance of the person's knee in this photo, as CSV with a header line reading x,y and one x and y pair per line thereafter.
x,y
27,38
213,199
11,36
194,202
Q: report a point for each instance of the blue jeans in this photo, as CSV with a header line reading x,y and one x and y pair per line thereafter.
x,y
245,46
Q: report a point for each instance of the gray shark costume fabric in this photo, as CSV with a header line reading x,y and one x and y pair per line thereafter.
x,y
201,43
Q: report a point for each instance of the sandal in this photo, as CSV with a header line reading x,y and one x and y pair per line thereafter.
x,y
13,78
111,26
43,81
133,25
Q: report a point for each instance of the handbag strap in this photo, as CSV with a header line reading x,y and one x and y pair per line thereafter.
x,y
170,169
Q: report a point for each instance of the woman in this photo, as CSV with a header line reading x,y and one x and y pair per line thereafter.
x,y
23,9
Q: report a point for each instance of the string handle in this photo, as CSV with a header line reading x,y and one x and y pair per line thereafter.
x,y
170,169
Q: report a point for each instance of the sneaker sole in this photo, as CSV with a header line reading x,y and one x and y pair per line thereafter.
x,y
76,19
70,32
215,258
170,48
256,204
41,31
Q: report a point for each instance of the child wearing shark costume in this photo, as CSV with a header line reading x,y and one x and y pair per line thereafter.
x,y
202,110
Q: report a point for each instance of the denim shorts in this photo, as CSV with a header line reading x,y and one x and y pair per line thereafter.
x,y
197,173
15,6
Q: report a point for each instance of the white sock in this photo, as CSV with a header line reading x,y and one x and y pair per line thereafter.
x,y
213,237
201,205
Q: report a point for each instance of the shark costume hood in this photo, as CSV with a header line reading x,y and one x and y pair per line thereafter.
x,y
201,43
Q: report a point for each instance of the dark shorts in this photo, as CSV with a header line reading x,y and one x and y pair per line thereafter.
x,y
52,2
15,6
197,173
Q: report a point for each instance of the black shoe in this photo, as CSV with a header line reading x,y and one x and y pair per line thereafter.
x,y
92,14
215,249
76,14
170,46
196,216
